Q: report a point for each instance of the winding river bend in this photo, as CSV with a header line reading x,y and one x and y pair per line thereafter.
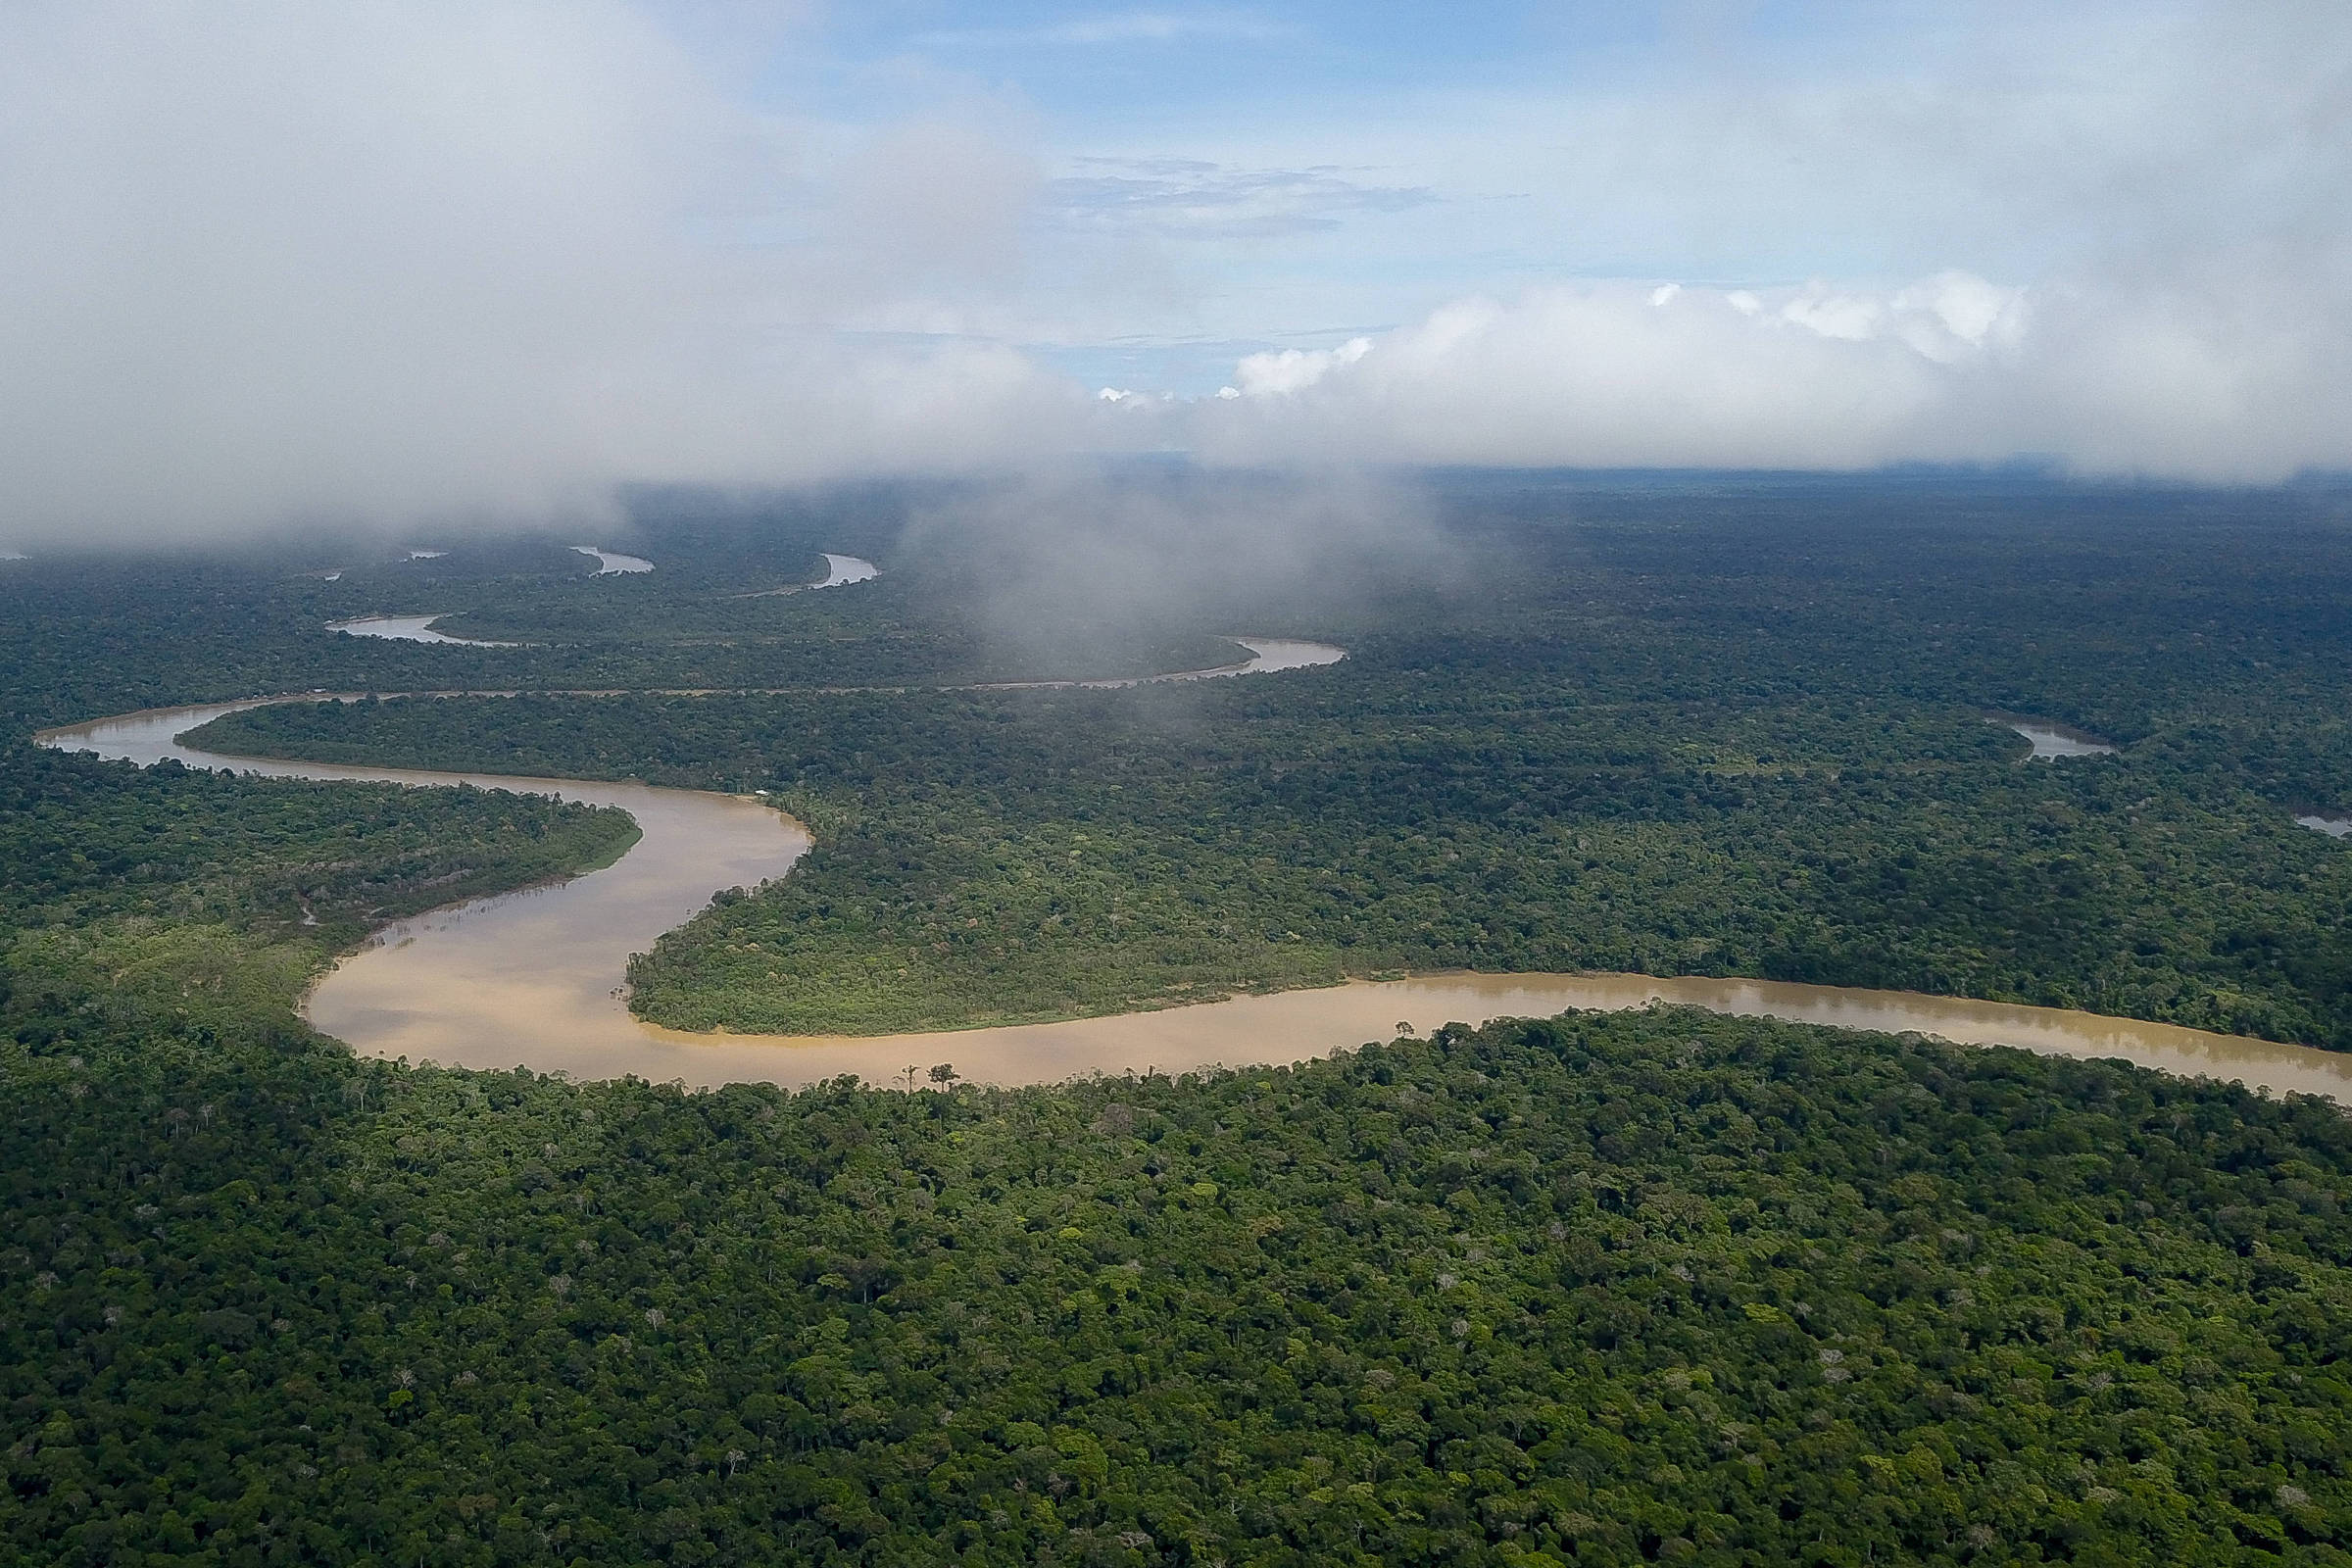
x,y
534,978
407,630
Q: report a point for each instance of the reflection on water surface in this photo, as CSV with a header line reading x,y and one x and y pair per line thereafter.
x,y
407,630
2050,739
612,562
843,569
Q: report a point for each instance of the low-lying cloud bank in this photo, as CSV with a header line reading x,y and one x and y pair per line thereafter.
x,y
2161,382
385,262
393,261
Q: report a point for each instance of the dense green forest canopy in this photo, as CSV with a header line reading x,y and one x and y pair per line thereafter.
x,y
1600,1291
100,635
1684,732
1601,1288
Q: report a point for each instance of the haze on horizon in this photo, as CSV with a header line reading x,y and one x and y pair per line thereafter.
x,y
409,263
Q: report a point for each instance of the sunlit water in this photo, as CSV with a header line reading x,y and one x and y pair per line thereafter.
x,y
841,571
420,628
1267,655
534,978
407,630
609,563
2051,740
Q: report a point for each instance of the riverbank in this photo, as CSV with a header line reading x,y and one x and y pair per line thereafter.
x,y
536,977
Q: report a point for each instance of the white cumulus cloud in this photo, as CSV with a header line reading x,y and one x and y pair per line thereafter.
x,y
1952,368
1294,370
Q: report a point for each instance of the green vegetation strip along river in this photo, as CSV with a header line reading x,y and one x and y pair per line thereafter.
x,y
533,978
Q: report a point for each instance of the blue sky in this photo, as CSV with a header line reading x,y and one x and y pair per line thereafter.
x,y
1280,177
1302,175
1093,70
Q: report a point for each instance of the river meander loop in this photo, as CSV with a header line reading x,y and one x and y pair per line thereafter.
x,y
535,978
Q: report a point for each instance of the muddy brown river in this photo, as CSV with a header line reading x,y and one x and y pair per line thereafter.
x,y
534,978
